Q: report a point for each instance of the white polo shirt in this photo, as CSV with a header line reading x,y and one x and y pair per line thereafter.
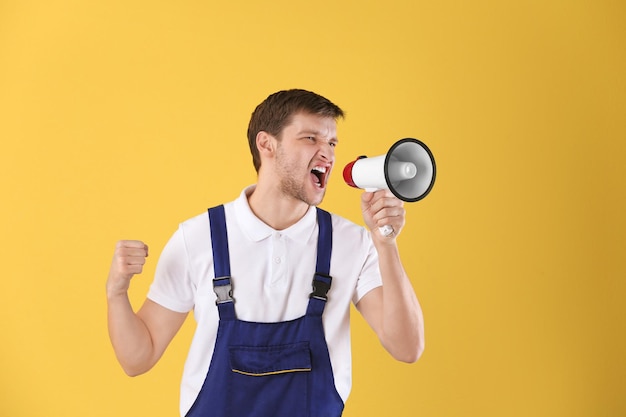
x,y
272,272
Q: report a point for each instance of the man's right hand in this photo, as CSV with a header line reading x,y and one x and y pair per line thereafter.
x,y
128,259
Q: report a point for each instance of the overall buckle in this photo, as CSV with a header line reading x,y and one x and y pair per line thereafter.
x,y
321,286
223,289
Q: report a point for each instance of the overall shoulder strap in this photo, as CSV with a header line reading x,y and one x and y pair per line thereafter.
x,y
322,279
222,284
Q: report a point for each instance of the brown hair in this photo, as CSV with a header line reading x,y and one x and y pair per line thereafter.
x,y
276,111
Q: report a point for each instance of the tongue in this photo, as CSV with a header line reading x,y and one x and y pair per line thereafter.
x,y
316,179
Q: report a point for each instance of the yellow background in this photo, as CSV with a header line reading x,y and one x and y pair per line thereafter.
x,y
120,119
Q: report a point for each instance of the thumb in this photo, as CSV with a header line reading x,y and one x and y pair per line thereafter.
x,y
366,197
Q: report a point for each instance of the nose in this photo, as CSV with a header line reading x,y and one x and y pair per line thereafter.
x,y
327,151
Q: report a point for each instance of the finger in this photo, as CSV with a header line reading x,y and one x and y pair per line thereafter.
x,y
134,260
366,199
388,211
128,267
131,244
393,216
136,244
367,196
384,200
124,252
134,269
395,223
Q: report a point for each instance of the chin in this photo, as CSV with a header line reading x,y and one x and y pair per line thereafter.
x,y
317,200
311,199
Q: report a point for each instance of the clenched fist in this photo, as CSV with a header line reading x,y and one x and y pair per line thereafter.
x,y
128,259
380,209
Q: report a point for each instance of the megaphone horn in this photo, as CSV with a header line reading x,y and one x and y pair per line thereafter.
x,y
407,170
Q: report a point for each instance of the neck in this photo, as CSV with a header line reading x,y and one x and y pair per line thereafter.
x,y
275,208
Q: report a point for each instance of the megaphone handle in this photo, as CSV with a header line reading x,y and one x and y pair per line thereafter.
x,y
385,230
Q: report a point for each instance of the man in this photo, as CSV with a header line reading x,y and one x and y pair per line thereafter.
x,y
284,274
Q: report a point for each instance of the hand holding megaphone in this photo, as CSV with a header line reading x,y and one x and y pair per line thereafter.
x,y
407,170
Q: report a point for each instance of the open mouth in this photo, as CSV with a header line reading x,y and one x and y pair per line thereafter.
x,y
318,174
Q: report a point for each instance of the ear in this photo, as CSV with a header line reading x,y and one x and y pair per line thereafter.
x,y
266,144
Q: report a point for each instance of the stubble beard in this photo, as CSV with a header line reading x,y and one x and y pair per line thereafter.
x,y
290,185
292,188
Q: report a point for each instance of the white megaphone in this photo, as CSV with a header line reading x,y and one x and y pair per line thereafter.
x,y
407,170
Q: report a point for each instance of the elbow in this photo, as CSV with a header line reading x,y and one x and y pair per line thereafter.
x,y
136,362
419,350
411,355
413,347
133,371
407,352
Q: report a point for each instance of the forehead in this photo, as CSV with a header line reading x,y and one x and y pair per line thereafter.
x,y
322,126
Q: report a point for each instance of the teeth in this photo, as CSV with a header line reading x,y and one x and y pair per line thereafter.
x,y
319,171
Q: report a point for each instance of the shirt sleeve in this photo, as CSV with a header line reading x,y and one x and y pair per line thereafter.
x,y
369,278
172,287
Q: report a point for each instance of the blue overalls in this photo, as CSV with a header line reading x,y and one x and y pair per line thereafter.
x,y
269,369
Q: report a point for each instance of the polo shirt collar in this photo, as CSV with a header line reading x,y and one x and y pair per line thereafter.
x,y
257,230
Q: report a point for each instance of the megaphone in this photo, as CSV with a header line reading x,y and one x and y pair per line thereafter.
x,y
408,170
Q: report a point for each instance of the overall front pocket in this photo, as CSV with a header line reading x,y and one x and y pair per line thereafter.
x,y
270,380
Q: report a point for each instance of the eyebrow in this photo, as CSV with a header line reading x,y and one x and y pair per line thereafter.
x,y
315,133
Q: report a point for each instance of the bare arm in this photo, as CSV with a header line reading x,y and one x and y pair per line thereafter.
x,y
138,339
392,310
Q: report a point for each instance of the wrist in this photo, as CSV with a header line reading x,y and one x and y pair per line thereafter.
x,y
114,292
384,243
